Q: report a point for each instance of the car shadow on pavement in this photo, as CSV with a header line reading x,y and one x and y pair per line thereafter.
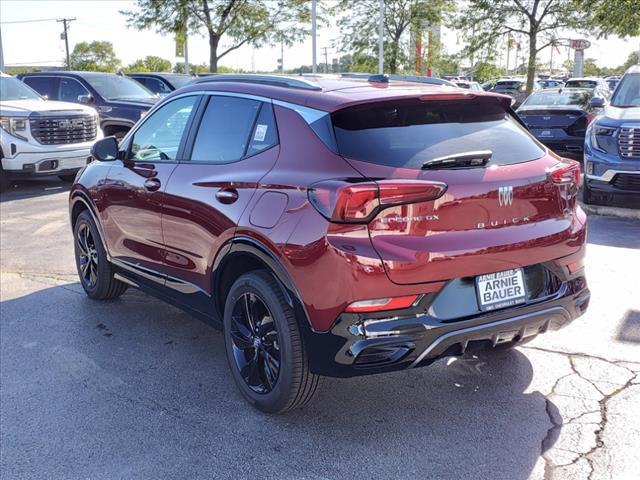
x,y
135,388
21,189
614,232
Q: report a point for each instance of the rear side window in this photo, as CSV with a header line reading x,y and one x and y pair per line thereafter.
x,y
409,133
44,86
223,135
264,134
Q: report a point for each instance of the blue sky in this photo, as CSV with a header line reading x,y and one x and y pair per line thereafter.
x,y
29,43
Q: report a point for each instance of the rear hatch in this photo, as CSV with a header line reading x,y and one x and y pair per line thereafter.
x,y
501,208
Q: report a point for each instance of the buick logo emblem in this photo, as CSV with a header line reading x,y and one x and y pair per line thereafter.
x,y
505,196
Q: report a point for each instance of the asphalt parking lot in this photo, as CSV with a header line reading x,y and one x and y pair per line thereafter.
x,y
137,389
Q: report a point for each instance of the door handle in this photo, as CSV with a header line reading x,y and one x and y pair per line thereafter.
x,y
152,184
227,195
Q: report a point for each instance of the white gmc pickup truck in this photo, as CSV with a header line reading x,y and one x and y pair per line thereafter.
x,y
42,137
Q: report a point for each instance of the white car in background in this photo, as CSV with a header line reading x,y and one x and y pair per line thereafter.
x,y
42,137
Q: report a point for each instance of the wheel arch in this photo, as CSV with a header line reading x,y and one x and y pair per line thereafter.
x,y
78,203
245,254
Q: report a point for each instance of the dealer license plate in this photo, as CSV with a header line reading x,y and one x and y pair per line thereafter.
x,y
500,289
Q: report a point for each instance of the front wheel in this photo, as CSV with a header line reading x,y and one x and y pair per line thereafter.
x,y
95,272
264,346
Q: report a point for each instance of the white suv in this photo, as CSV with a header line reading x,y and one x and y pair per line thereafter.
x,y
42,137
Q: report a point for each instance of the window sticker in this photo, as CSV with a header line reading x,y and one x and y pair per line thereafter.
x,y
261,132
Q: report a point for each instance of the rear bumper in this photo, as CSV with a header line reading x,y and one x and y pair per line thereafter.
x,y
361,346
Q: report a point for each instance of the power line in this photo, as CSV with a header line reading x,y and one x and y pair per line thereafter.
x,y
29,21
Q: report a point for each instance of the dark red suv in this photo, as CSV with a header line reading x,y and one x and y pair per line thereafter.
x,y
335,227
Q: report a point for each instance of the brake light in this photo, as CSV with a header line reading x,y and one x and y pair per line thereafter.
x,y
381,304
344,202
566,172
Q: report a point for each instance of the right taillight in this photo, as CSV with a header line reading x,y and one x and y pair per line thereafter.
x,y
342,201
566,176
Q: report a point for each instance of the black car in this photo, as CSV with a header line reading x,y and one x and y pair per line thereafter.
x,y
160,82
119,100
559,117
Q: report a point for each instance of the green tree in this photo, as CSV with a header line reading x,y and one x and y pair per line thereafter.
x,y
485,71
612,17
96,56
485,22
359,25
239,22
633,59
150,63
590,69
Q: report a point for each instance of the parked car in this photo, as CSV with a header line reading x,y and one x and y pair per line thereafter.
x,y
335,227
559,117
612,82
161,83
515,88
120,101
600,87
550,83
468,85
612,145
41,137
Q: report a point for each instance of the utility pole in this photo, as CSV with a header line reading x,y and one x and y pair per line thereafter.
x,y
66,21
326,59
313,37
381,38
1,54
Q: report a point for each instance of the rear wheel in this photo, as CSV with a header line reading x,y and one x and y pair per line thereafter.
x,y
95,272
4,182
264,346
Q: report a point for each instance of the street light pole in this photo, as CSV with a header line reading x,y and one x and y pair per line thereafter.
x,y
66,38
381,38
313,37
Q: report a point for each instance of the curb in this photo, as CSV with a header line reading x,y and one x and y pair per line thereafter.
x,y
628,213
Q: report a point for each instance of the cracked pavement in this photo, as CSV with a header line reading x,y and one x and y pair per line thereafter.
x,y
137,389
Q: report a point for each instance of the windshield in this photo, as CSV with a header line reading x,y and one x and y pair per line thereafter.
x,y
408,133
628,92
179,81
13,89
115,87
580,97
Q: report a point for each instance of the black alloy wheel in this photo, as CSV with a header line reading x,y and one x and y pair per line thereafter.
x,y
87,255
256,346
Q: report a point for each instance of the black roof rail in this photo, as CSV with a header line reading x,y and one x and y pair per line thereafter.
x,y
384,78
274,80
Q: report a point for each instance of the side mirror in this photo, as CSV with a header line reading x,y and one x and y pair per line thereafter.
x,y
86,99
105,150
597,102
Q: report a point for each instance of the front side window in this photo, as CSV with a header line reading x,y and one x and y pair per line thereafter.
x,y
223,135
71,89
159,137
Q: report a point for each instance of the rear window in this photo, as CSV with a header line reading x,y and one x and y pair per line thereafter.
x,y
581,98
409,133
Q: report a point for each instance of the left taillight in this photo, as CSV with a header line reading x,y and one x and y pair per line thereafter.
x,y
342,201
566,172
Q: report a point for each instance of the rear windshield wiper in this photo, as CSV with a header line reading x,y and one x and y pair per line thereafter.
x,y
460,160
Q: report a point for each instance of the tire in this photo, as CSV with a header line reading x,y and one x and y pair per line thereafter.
x,y
67,178
4,182
272,334
94,270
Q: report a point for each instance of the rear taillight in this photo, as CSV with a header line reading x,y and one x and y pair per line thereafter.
x,y
566,176
565,172
346,202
